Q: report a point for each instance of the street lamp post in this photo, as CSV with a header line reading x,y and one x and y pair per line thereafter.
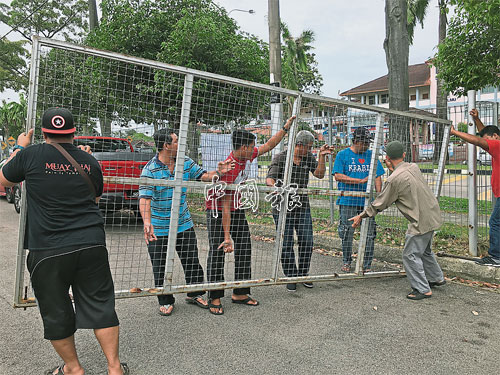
x,y
251,11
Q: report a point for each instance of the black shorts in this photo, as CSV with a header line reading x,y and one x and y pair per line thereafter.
x,y
86,271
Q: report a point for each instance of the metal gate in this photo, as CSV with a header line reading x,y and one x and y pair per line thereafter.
x,y
129,98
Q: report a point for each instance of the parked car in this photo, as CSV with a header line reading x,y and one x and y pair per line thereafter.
x,y
117,158
5,191
483,157
16,196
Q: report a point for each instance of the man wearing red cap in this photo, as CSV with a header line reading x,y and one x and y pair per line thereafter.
x,y
66,240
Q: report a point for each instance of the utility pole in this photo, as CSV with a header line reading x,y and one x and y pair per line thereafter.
x,y
93,20
275,66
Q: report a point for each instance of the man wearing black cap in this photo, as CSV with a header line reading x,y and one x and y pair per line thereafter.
x,y
407,188
351,169
66,240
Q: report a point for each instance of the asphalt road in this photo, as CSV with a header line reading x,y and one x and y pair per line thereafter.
x,y
348,327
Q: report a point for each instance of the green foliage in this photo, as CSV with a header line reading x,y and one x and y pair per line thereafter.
x,y
13,65
192,33
299,65
67,18
469,57
13,117
417,10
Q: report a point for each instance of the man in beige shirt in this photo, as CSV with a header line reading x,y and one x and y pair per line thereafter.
x,y
407,188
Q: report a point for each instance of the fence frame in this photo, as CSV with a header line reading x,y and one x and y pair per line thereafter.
x,y
178,183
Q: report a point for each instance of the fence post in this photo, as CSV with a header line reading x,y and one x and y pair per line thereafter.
x,y
330,166
179,174
471,177
30,123
379,130
280,228
442,161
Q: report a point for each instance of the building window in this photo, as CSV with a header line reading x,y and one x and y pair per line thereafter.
x,y
425,96
413,97
384,98
371,99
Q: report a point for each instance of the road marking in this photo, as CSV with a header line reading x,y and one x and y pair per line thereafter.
x,y
484,196
449,180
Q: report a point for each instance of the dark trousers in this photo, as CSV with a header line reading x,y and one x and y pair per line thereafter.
x,y
301,222
240,234
187,250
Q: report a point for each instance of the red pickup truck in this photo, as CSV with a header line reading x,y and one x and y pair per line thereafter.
x,y
117,158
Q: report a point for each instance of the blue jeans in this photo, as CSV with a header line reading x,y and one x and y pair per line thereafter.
x,y
301,222
494,250
346,233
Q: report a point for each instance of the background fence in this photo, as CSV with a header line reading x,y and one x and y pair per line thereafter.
x,y
118,103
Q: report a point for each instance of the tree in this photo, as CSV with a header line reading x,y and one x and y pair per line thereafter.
x,y
47,18
13,117
13,65
396,46
417,10
468,59
299,66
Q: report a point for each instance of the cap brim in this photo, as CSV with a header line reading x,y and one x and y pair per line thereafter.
x,y
53,131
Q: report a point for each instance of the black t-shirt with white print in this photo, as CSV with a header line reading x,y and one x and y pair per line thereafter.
x,y
61,210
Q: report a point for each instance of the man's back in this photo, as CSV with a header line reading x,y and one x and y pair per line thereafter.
x,y
61,211
415,199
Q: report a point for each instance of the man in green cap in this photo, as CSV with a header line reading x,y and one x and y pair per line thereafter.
x,y
407,188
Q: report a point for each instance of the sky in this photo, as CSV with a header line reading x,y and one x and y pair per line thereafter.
x,y
349,36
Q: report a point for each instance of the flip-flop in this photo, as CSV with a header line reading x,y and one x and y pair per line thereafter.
x,y
416,295
59,368
245,301
167,307
194,301
213,306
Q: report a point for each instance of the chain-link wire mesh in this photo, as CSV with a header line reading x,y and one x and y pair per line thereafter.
x,y
220,211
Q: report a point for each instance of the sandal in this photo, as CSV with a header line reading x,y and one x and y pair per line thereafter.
x,y
166,309
437,283
213,306
60,370
245,301
196,301
416,295
125,368
346,268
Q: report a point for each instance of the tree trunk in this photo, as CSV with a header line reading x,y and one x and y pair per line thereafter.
x,y
396,48
193,141
105,127
442,95
93,18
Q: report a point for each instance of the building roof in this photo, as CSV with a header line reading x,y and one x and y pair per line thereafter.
x,y
418,75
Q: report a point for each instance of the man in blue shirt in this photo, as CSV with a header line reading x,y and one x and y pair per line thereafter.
x,y
351,169
155,206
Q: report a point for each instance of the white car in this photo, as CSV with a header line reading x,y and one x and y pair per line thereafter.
x,y
483,157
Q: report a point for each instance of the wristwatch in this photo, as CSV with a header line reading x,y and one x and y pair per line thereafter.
x,y
18,147
285,129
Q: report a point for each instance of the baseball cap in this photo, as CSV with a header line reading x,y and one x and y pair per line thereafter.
x,y
394,150
362,134
58,121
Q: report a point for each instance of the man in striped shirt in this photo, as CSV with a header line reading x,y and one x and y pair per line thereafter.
x,y
155,207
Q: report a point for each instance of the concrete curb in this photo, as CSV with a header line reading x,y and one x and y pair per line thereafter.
x,y
465,269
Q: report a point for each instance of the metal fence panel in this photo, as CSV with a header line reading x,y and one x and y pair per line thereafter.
x,y
116,99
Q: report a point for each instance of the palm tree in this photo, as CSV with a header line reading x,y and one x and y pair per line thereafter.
x,y
417,10
295,57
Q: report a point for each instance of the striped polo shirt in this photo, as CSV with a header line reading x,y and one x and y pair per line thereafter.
x,y
161,196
